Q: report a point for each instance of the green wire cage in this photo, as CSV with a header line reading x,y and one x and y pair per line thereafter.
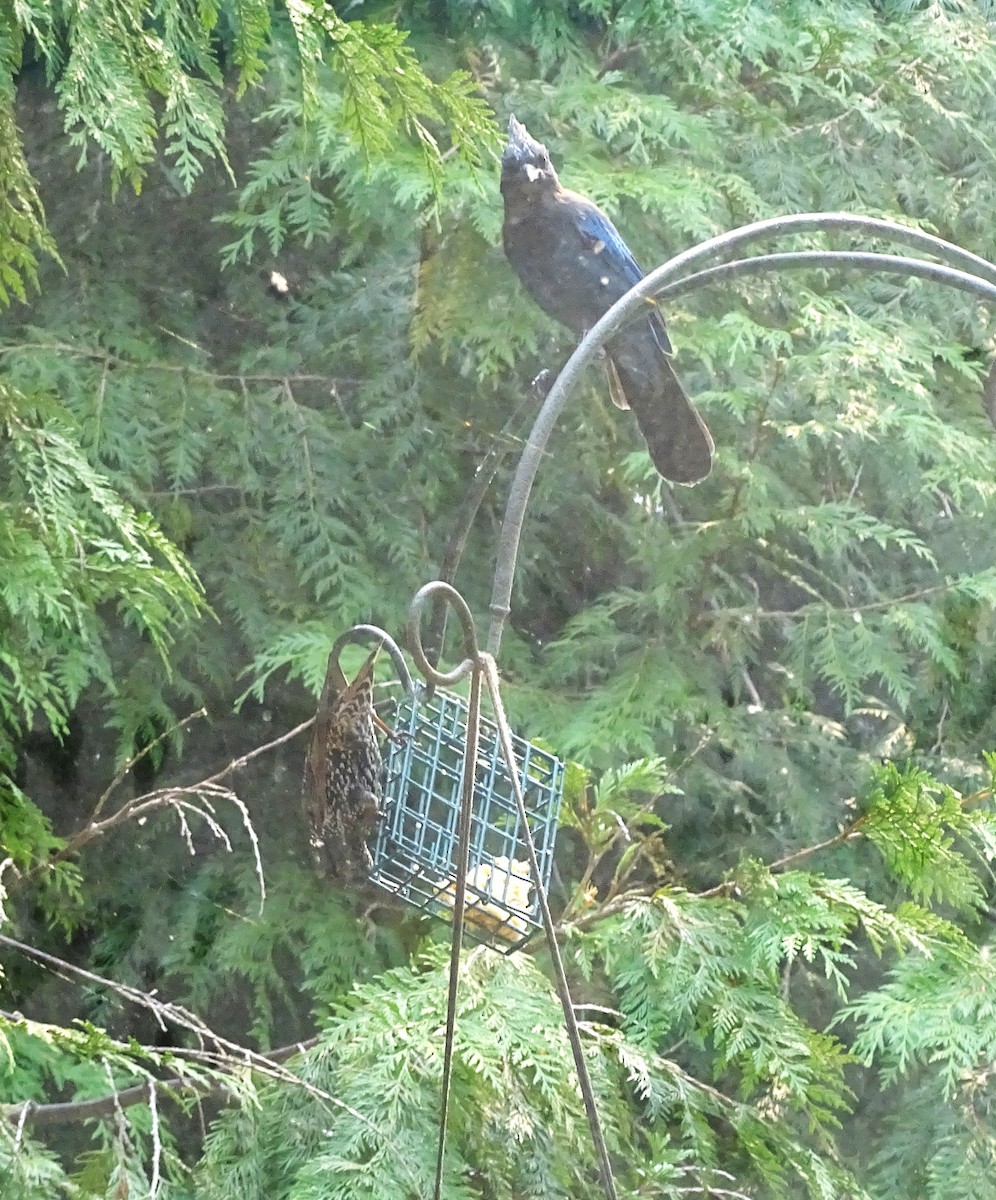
x,y
415,852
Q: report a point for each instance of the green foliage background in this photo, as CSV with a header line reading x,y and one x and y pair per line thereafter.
x,y
203,484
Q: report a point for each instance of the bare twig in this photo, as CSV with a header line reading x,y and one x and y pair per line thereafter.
x,y
609,909
238,763
711,1191
771,614
939,740
144,805
157,1146
616,59
704,741
621,903
200,491
846,834
137,758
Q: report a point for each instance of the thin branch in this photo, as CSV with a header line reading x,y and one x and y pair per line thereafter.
x,y
771,614
116,360
150,801
621,903
75,1111
711,1191
200,491
616,59
244,759
137,758
140,806
939,739
704,741
157,1146
21,1122
850,831
845,835
609,909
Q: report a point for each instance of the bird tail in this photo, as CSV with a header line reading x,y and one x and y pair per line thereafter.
x,y
680,445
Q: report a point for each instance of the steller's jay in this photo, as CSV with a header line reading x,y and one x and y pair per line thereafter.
x,y
575,265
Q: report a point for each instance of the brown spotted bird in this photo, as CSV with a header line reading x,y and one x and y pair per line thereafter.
x,y
342,774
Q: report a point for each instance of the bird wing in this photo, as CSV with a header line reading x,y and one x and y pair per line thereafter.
x,y
605,239
594,224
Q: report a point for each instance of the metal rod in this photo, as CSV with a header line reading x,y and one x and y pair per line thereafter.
x,y
895,264
556,958
361,634
459,911
838,222
439,590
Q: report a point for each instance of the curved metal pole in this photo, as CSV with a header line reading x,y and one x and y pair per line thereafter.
x,y
361,634
837,222
895,264
447,594
669,276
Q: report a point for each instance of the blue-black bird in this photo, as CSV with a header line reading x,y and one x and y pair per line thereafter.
x,y
573,262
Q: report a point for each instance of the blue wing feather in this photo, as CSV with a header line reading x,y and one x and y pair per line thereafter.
x,y
593,223
596,224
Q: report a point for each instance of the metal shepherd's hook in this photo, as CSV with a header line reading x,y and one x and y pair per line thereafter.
x,y
480,666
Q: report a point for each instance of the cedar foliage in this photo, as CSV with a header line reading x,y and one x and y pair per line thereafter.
x,y
798,653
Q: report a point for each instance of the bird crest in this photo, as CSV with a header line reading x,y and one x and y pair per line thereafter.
x,y
525,159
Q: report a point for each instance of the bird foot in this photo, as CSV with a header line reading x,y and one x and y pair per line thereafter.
x,y
398,737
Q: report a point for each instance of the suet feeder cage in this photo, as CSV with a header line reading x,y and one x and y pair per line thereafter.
x,y
415,852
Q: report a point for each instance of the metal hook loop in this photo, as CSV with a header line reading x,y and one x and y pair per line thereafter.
x,y
360,634
470,646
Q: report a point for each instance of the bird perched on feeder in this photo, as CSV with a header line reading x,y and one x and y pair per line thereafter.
x,y
342,774
575,265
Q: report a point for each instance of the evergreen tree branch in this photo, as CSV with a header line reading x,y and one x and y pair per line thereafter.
x,y
226,1054
75,1111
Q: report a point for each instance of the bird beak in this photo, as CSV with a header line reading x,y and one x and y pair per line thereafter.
x,y
368,666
